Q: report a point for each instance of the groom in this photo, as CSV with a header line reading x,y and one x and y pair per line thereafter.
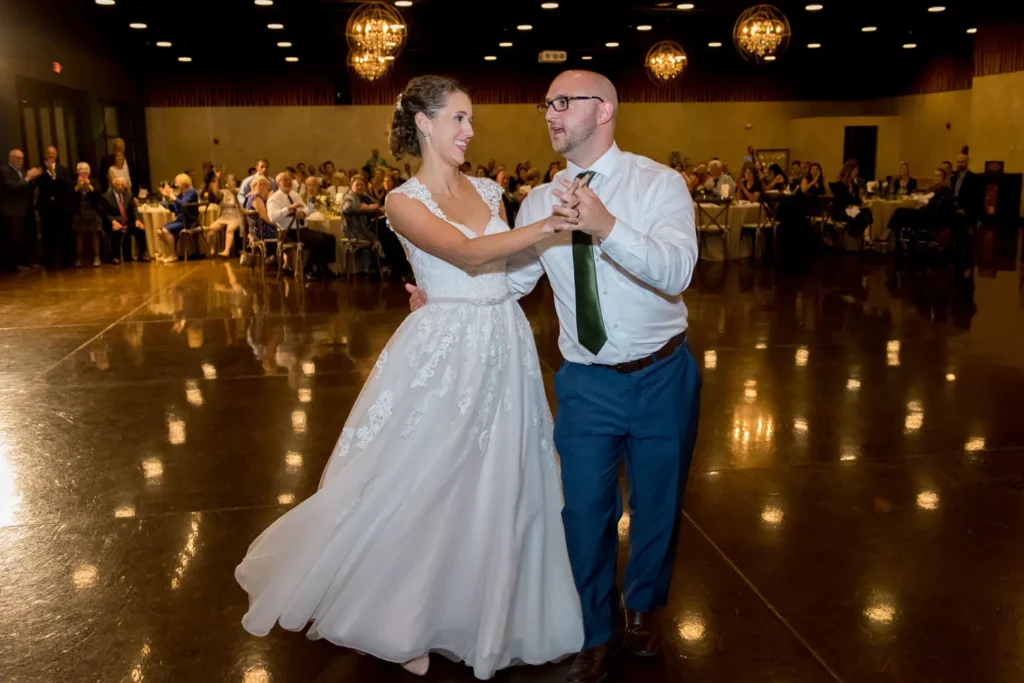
x,y
628,387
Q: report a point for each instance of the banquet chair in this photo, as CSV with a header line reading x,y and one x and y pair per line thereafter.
x,y
258,246
285,245
713,221
767,219
193,226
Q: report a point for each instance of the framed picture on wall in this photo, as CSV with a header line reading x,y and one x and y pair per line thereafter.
x,y
995,167
767,157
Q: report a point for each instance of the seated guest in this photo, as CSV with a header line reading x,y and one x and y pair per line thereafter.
x,y
533,178
377,186
482,172
519,178
327,172
719,180
690,176
796,176
507,197
260,225
750,187
553,169
288,212
87,216
948,165
209,191
936,215
361,213
230,219
846,193
340,186
812,183
121,222
389,184
703,179
301,168
904,185
941,177
775,179
262,169
300,183
186,211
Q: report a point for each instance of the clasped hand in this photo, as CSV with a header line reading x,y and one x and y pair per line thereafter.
x,y
583,210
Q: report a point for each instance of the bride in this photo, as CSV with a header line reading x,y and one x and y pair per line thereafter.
x,y
436,527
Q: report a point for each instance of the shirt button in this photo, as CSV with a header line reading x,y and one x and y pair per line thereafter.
x,y
616,326
605,292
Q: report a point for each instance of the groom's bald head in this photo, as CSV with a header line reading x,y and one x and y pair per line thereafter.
x,y
587,125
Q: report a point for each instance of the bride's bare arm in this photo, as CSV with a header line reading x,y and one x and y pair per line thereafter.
x,y
417,224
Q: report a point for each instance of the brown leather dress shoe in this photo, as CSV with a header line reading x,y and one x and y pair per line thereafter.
x,y
591,665
642,635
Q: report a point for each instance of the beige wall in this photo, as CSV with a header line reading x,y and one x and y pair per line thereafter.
x,y
909,128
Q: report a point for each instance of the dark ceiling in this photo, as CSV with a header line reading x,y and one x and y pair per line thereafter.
x,y
231,39
219,32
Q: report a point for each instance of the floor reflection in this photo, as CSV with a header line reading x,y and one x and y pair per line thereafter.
x,y
859,446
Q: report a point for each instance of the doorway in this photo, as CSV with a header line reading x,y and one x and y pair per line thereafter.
x,y
53,115
861,143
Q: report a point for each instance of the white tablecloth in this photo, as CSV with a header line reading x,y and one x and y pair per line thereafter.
x,y
883,209
155,217
740,213
332,225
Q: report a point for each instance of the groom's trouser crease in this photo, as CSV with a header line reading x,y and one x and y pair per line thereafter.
x,y
650,418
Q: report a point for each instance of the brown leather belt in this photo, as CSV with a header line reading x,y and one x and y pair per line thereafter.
x,y
647,361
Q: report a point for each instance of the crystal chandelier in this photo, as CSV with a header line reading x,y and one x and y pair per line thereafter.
x,y
376,27
370,66
761,33
665,61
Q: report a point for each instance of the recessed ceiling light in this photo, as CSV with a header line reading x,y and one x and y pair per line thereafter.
x,y
644,27
909,46
389,58
770,58
163,43
814,8
813,46
490,58
524,27
937,8
138,25
184,59
506,44
275,27
972,30
284,43
613,44
264,3
586,58
549,5
403,3
714,45
869,29
291,59
105,2
685,6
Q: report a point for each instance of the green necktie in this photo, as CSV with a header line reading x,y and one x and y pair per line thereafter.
x,y
589,323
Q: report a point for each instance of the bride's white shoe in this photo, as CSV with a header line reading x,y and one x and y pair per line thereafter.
x,y
418,666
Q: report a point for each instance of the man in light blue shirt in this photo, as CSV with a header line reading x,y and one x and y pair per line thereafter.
x,y
262,168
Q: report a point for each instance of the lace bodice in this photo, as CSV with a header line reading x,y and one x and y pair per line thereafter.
x,y
440,279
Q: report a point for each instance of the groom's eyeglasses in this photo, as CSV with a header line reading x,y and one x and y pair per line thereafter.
x,y
562,103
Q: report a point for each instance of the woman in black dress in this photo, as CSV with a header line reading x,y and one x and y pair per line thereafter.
x,y
904,185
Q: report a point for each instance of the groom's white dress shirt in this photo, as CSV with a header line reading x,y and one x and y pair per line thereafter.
x,y
642,268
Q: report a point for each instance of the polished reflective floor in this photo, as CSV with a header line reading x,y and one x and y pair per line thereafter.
x,y
855,510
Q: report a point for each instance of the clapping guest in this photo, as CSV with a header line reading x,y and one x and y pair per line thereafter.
x,y
54,205
904,184
796,176
87,220
813,183
185,214
17,217
121,222
775,179
750,186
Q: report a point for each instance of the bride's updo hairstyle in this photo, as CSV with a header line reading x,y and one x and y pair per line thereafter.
x,y
426,94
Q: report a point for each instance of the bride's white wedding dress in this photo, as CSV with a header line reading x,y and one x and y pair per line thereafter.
x,y
437,526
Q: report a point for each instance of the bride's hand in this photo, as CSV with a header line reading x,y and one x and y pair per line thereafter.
x,y
417,298
562,219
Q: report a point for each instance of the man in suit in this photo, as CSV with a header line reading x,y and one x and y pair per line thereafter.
x,y
968,191
122,222
17,218
54,205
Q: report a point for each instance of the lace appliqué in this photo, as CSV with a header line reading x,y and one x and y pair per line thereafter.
x,y
381,360
378,415
344,442
420,410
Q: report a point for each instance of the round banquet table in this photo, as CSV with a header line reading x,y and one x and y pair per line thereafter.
x,y
155,217
332,225
740,214
882,210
